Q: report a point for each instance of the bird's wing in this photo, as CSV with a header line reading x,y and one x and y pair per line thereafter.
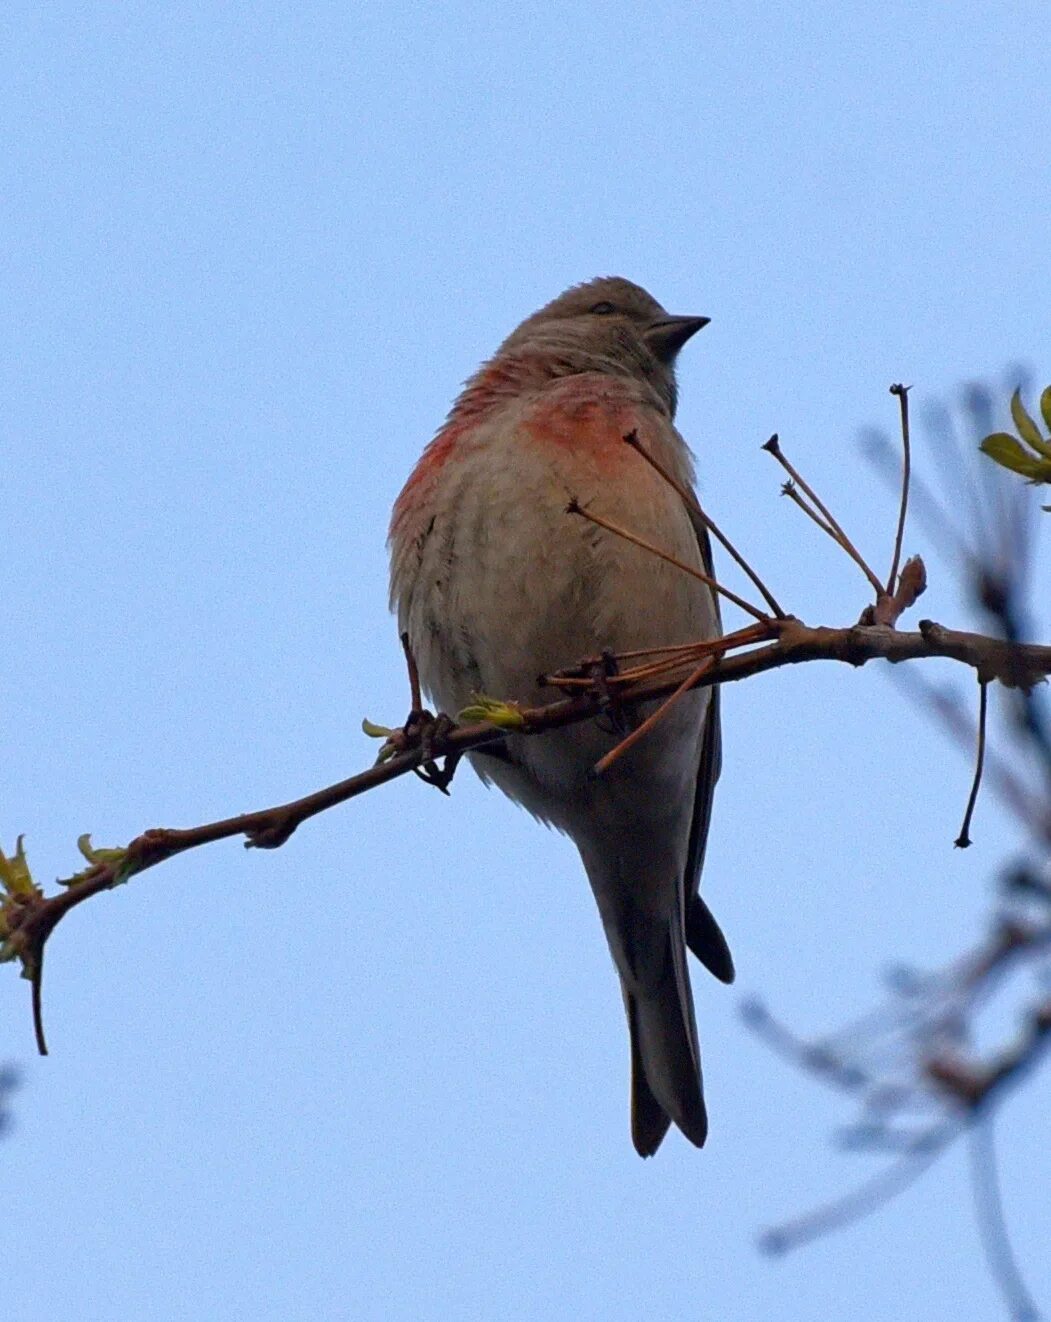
x,y
703,934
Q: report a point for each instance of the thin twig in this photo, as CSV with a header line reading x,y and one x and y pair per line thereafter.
x,y
773,446
902,393
37,983
790,490
575,507
640,731
946,706
882,456
963,840
883,1186
668,666
675,655
992,1225
690,499
655,651
717,647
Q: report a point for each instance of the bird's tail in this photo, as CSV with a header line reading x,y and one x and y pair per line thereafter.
x,y
665,1058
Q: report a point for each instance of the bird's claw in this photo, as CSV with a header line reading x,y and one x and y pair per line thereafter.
x,y
424,731
601,672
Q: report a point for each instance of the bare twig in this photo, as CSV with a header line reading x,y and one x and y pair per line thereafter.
x,y
963,840
690,500
760,632
575,507
669,660
992,1224
998,773
905,1064
714,647
975,1083
790,490
666,650
641,730
26,922
773,446
902,393
881,1188
949,541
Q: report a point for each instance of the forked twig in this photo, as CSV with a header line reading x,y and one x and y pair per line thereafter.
x,y
666,650
760,632
790,490
669,659
773,446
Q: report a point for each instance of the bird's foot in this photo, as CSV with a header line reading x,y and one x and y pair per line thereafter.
x,y
621,718
428,733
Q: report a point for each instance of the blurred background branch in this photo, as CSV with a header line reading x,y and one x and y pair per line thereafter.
x,y
918,1066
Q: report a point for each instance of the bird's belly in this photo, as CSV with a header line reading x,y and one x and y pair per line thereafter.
x,y
511,586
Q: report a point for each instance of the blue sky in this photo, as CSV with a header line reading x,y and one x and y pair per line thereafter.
x,y
252,251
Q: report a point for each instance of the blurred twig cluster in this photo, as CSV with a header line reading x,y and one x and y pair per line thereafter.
x,y
913,1065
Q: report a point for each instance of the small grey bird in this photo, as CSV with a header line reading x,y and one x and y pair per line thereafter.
x,y
495,585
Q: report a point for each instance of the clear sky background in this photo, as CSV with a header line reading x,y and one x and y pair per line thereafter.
x,y
250,252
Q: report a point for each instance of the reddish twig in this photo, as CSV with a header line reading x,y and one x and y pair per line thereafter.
x,y
643,729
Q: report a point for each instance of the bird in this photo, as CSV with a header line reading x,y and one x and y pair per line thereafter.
x,y
495,585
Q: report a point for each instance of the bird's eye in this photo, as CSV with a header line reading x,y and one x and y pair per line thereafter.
x,y
603,309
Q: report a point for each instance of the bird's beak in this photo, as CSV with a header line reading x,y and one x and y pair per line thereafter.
x,y
667,336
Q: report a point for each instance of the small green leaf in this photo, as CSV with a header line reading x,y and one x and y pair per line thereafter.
x,y
1008,452
376,731
1027,428
15,877
1045,407
392,745
483,708
17,889
117,859
93,855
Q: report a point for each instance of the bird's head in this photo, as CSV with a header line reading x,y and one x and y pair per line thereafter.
x,y
609,324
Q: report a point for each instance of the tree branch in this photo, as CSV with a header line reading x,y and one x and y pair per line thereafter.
x,y
28,916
